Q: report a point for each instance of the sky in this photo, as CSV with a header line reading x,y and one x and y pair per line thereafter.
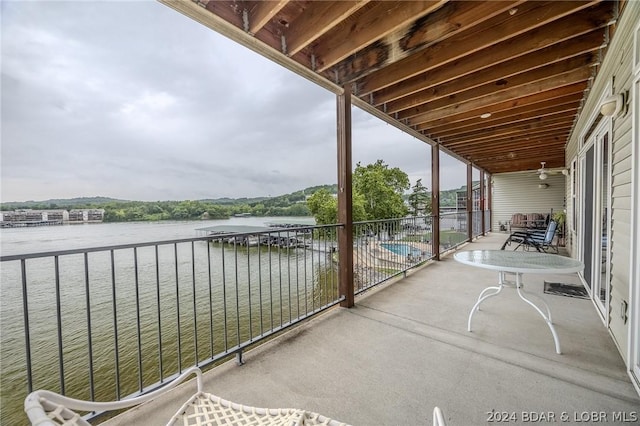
x,y
132,100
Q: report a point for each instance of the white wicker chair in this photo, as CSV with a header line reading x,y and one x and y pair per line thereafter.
x,y
45,408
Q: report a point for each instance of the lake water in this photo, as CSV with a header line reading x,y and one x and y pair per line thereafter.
x,y
65,237
163,307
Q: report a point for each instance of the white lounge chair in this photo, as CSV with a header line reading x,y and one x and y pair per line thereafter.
x,y
45,408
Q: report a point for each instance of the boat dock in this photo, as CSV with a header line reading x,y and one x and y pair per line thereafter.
x,y
29,224
273,235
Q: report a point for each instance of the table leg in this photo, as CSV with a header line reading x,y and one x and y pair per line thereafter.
x,y
484,297
519,285
497,288
547,318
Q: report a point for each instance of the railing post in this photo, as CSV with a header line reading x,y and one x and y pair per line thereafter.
x,y
469,202
345,234
489,198
483,230
435,200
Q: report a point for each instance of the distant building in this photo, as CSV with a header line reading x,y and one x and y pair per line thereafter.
x,y
27,217
86,215
461,197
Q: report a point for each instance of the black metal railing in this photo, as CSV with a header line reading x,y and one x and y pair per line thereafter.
x,y
476,220
453,230
384,249
109,322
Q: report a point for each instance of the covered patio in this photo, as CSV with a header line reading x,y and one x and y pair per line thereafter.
x,y
403,349
509,88
502,86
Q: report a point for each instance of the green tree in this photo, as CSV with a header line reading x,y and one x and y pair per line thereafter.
x,y
298,209
377,194
358,212
324,207
382,188
180,213
420,199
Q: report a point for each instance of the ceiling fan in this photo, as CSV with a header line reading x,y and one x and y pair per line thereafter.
x,y
543,173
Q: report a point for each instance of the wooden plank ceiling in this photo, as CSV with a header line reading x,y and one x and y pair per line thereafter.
x,y
439,67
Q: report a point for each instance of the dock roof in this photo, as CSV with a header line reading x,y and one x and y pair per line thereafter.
x,y
234,229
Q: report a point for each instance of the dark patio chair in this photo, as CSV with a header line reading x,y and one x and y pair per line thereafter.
x,y
541,240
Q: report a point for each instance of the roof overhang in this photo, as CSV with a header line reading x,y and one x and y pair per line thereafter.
x,y
498,84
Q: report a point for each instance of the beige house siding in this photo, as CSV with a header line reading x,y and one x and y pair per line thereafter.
x,y
616,73
519,193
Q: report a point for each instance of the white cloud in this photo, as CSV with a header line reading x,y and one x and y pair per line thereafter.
x,y
94,103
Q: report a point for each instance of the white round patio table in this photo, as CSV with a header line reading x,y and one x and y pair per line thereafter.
x,y
518,263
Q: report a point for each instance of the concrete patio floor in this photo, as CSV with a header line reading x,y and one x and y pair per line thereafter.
x,y
404,348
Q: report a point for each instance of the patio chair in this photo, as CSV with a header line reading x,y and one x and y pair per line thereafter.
x,y
45,408
541,240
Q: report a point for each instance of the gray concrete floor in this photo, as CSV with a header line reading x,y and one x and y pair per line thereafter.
x,y
404,348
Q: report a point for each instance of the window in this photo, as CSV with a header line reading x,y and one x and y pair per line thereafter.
x,y
636,49
574,190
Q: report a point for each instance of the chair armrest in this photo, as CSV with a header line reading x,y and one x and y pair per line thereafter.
x,y
39,403
522,234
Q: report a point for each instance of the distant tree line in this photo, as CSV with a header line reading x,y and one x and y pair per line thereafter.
x,y
379,192
128,211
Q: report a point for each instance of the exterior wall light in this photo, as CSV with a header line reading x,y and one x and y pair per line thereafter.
x,y
614,104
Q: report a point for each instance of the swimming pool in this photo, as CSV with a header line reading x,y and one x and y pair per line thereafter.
x,y
402,249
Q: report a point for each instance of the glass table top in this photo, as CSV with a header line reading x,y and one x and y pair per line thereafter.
x,y
519,261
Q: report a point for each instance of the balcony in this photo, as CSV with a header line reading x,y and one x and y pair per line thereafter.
x,y
403,349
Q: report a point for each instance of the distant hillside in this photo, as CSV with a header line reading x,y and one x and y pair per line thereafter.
x,y
95,202
226,200
292,204
78,202
447,198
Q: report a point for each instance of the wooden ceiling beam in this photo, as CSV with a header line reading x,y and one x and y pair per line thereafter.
x,y
368,25
529,129
406,93
509,146
532,164
542,152
529,161
526,34
447,81
563,111
487,102
506,143
519,80
494,154
529,153
261,12
319,17
507,107
450,19
517,117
